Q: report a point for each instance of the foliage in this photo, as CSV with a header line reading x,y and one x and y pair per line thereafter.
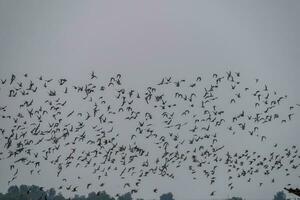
x,y
280,196
126,196
168,196
33,192
235,198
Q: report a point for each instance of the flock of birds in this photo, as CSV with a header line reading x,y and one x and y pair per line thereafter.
x,y
171,124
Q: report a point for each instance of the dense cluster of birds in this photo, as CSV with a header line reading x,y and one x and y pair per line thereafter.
x,y
100,126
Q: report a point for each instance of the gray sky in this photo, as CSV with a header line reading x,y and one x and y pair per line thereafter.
x,y
147,40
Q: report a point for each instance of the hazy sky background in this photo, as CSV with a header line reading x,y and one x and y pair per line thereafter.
x,y
146,40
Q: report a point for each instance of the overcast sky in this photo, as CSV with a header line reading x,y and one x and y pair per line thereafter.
x,y
147,40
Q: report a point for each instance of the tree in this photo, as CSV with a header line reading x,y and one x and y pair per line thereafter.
x,y
23,189
51,193
35,192
235,198
126,196
104,196
168,196
92,196
280,196
59,197
13,189
77,197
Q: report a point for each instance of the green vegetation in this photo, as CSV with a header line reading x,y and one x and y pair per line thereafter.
x,y
280,196
34,192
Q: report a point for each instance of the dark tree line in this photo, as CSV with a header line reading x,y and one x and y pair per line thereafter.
x,y
33,192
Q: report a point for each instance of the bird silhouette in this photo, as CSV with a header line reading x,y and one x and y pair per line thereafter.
x,y
48,121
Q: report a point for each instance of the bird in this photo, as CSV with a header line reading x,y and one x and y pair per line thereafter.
x,y
93,76
180,119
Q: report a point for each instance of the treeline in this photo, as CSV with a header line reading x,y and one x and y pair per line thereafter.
x,y
34,192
